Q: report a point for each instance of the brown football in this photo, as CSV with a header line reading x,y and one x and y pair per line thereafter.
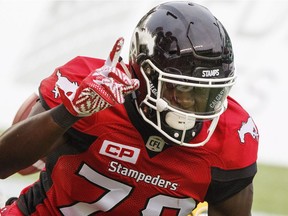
x,y
25,108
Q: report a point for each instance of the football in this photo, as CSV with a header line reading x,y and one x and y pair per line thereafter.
x,y
25,108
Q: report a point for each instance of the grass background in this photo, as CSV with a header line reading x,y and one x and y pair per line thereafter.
x,y
271,189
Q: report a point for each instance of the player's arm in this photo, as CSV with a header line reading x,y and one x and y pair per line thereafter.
x,y
29,108
33,138
29,140
240,204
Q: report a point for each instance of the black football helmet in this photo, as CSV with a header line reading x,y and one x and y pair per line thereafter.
x,y
183,57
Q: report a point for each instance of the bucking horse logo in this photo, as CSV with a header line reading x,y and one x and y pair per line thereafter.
x,y
65,84
248,127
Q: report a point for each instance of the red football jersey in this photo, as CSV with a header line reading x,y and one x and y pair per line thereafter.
x,y
110,166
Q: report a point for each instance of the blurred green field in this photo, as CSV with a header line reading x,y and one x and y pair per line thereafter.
x,y
271,189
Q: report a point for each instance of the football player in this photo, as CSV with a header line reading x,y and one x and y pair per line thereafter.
x,y
154,138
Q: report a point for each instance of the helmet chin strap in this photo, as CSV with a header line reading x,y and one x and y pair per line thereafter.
x,y
181,122
175,120
161,105
209,134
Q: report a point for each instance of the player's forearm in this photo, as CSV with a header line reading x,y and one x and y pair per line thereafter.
x,y
26,142
240,204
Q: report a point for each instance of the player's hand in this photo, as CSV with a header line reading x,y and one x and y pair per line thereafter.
x,y
105,87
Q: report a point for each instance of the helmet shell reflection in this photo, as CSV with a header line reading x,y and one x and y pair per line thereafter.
x,y
184,60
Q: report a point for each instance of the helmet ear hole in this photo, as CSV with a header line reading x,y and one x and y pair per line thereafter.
x,y
148,70
141,57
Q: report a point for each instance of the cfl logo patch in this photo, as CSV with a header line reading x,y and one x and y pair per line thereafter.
x,y
155,143
119,151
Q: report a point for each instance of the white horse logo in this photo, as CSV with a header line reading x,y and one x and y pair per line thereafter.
x,y
248,127
65,84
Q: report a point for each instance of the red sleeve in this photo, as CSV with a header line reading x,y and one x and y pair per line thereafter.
x,y
68,77
238,154
241,145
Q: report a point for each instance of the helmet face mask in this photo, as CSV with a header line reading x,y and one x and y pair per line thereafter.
x,y
185,76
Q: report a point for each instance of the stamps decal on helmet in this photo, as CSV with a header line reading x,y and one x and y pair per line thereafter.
x,y
210,73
